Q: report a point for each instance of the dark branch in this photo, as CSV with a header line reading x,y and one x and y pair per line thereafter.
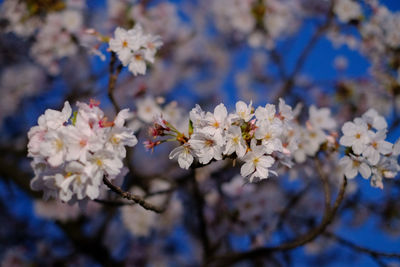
x,y
199,203
329,214
288,85
371,252
112,81
127,195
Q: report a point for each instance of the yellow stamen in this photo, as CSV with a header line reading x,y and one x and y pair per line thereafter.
x,y
216,124
209,142
267,136
255,161
59,144
115,140
99,162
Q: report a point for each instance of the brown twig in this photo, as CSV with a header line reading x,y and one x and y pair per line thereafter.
x,y
288,85
325,183
376,255
329,214
199,203
354,246
112,81
290,204
127,195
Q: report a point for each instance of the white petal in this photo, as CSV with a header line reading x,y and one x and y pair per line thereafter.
x,y
365,170
247,169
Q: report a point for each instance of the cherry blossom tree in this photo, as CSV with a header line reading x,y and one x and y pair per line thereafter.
x,y
199,133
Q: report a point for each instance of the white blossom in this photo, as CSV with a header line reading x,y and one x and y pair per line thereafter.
x,y
377,146
148,109
256,163
355,135
71,159
270,136
347,10
206,147
354,165
216,122
134,48
243,112
321,118
372,118
184,155
235,142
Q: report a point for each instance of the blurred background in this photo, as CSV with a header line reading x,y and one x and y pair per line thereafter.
x,y
313,52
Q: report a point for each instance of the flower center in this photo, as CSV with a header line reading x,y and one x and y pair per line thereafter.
x,y
235,140
267,136
59,144
115,139
356,164
216,124
209,142
83,142
124,43
256,161
358,136
99,162
138,57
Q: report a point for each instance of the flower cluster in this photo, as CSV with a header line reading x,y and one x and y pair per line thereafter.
x,y
58,38
260,142
134,48
313,135
262,21
72,153
347,10
19,20
368,152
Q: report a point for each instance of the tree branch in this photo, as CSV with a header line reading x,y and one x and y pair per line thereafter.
x,y
112,81
127,195
288,85
329,214
371,252
199,203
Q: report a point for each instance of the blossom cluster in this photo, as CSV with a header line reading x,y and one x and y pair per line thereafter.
x,y
347,10
275,18
368,152
261,138
57,28
311,136
14,90
58,38
73,151
134,48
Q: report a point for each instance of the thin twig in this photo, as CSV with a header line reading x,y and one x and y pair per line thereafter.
x,y
325,183
200,203
371,252
127,195
290,205
112,81
329,214
288,85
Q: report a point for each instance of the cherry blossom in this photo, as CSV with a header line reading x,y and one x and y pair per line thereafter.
x,y
70,160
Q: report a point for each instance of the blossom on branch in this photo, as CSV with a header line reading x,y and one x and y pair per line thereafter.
x,y
134,48
71,154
